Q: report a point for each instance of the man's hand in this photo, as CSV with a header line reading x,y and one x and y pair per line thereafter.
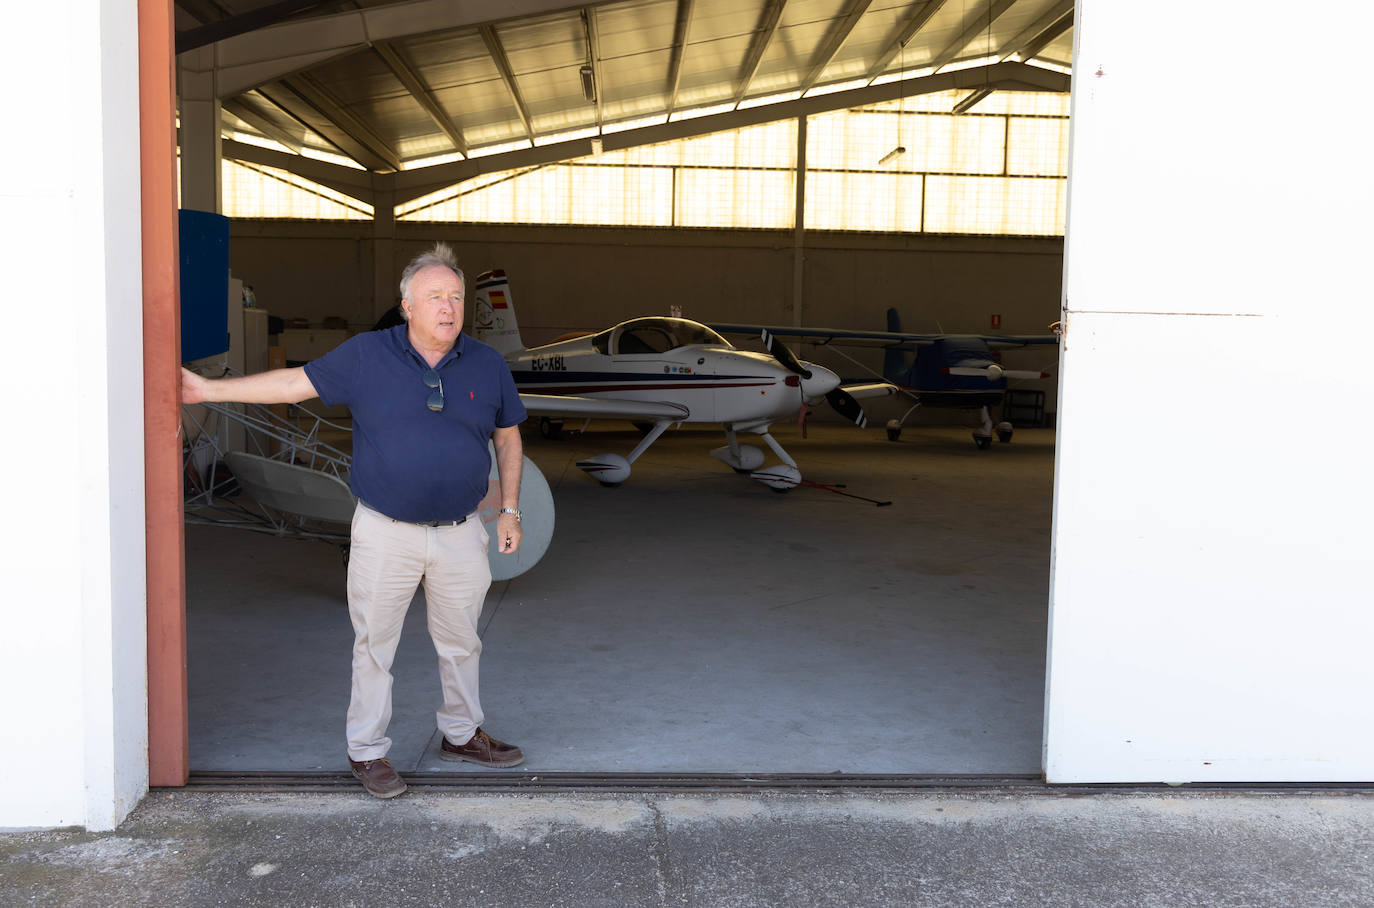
x,y
507,534
192,387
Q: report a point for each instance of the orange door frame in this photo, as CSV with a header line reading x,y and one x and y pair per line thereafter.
x,y
168,736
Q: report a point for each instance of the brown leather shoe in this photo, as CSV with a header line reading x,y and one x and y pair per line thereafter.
x,y
377,776
484,750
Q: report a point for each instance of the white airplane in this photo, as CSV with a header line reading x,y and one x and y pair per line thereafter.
x,y
662,371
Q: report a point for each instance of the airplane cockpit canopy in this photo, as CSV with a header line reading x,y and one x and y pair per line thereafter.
x,y
655,335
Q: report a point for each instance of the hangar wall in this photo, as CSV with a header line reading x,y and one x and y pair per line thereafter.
x,y
1210,604
73,651
569,278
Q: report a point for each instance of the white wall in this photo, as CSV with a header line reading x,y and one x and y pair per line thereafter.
x,y
72,654
1211,601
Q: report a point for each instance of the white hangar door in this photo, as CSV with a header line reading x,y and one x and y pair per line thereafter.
x,y
1210,599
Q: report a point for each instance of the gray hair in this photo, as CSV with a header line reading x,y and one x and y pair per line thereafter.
x,y
441,254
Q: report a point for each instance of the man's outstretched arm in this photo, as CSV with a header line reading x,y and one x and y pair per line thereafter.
x,y
279,386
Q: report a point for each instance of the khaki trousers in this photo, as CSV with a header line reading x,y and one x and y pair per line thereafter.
x,y
387,560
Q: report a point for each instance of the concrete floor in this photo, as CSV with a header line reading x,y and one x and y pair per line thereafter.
x,y
737,850
690,620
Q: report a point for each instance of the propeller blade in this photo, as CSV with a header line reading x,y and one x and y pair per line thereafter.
x,y
845,405
991,372
783,355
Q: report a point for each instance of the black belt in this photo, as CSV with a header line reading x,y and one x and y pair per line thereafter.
x,y
437,523
419,523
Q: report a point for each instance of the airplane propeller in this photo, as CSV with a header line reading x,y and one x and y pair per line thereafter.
x,y
842,401
992,372
782,354
844,404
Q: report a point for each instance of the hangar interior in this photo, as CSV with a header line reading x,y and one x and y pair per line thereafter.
x,y
690,621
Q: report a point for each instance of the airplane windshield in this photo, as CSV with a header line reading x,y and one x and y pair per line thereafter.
x,y
659,335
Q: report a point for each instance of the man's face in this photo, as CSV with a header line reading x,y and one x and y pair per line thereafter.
x,y
435,306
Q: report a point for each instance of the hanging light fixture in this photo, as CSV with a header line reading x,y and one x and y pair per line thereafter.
x,y
901,109
586,72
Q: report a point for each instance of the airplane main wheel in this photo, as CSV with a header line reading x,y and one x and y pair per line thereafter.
x,y
982,441
893,434
1004,435
550,428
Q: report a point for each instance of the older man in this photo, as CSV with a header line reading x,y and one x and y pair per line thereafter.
x,y
425,399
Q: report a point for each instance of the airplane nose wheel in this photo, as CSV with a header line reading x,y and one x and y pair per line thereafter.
x,y
1004,432
894,430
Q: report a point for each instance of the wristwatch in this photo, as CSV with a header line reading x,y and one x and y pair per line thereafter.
x,y
512,511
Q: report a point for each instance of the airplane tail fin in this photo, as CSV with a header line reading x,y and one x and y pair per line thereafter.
x,y
895,363
493,317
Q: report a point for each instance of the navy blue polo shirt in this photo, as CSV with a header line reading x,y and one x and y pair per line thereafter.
x,y
410,462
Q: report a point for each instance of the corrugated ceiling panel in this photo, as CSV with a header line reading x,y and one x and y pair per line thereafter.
x,y
709,72
937,34
542,44
870,38
801,31
634,86
484,111
357,77
724,19
628,29
452,59
1060,50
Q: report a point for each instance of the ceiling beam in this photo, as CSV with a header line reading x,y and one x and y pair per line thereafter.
x,y
262,124
1036,38
268,54
498,56
921,13
358,140
274,96
833,41
421,92
979,23
680,31
203,11
261,17
1032,39
594,58
763,36
356,184
412,184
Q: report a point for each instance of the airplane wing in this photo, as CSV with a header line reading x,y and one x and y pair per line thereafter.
x,y
891,340
822,336
567,405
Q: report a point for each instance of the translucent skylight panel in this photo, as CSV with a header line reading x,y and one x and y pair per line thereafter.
x,y
735,198
252,190
1037,147
886,202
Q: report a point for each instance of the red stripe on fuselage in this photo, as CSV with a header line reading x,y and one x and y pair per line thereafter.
x,y
626,386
